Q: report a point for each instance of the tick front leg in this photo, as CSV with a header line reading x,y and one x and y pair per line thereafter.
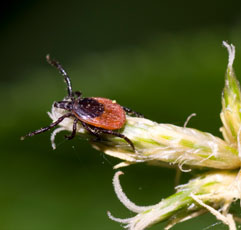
x,y
132,112
64,74
48,127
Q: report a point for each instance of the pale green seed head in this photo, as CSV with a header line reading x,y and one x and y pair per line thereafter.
x,y
213,192
231,103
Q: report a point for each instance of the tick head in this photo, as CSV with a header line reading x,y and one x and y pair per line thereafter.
x,y
67,105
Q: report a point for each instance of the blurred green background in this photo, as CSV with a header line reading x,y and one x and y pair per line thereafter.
x,y
161,58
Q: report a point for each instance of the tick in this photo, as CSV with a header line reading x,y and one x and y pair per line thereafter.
x,y
96,114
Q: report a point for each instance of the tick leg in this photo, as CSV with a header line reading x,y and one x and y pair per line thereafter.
x,y
92,130
113,133
62,71
98,131
132,112
74,130
48,127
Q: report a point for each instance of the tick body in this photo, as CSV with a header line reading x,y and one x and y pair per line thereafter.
x,y
100,112
96,114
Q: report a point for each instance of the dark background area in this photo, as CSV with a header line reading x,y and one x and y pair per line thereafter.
x,y
161,58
